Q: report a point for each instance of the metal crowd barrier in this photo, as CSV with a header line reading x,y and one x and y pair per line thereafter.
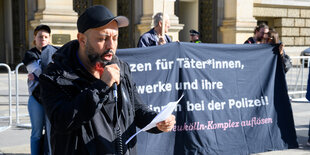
x,y
17,88
10,98
297,77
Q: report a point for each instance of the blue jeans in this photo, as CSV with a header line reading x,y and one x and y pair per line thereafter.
x,y
37,118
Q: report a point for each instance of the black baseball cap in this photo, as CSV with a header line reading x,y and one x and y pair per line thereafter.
x,y
42,27
97,16
194,32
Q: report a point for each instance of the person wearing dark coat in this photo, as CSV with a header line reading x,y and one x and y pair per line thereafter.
x,y
260,33
36,60
86,115
308,98
155,37
194,36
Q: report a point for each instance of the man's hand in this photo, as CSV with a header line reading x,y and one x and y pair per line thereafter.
x,y
111,74
281,47
167,124
161,41
30,77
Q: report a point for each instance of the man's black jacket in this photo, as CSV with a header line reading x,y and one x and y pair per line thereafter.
x,y
81,108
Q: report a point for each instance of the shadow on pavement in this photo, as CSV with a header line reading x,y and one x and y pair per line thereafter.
x,y
302,138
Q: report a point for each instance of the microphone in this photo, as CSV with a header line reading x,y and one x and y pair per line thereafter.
x,y
114,87
117,130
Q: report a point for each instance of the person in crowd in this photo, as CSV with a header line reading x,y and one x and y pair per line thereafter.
x,y
308,142
308,98
36,60
273,38
79,88
260,32
155,36
194,35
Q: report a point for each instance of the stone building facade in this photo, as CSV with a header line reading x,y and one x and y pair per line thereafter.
x,y
219,21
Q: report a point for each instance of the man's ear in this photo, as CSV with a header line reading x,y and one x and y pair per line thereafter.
x,y
49,39
82,39
160,23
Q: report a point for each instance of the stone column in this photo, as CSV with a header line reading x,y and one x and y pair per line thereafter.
x,y
60,16
8,32
238,23
150,8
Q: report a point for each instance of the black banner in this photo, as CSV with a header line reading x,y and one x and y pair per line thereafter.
x,y
235,99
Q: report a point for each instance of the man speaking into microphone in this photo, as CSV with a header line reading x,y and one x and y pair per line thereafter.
x,y
78,97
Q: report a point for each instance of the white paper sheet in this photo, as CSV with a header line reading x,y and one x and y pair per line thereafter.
x,y
163,115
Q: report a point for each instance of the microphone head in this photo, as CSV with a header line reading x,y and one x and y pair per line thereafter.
x,y
114,86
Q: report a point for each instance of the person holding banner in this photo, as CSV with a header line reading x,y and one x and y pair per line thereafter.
x,y
308,143
89,95
260,33
273,38
157,35
308,98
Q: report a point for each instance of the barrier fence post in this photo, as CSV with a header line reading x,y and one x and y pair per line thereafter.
x,y
297,78
17,92
10,92
17,89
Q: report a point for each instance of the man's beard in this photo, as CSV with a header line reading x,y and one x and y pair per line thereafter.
x,y
95,57
259,39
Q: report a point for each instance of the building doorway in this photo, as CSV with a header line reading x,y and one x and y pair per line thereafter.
x,y
119,7
2,43
200,15
12,32
188,16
